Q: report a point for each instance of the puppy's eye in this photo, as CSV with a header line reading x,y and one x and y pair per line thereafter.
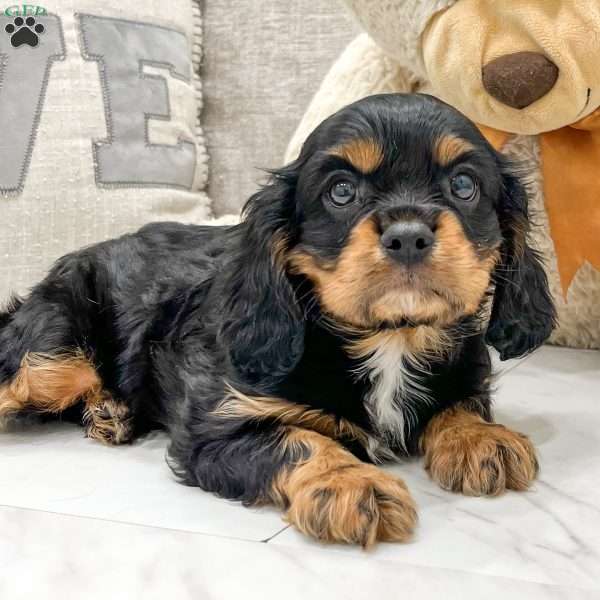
x,y
463,186
342,193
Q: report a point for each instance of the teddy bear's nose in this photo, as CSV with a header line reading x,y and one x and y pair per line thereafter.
x,y
519,79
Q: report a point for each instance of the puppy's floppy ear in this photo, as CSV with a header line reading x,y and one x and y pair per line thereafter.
x,y
263,325
523,314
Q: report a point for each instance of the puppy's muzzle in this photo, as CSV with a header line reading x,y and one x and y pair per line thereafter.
x,y
408,243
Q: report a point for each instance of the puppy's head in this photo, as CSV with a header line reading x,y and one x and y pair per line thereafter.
x,y
399,213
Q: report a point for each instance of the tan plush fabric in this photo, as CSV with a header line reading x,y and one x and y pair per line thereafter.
x,y
457,43
263,62
571,196
61,207
403,44
458,55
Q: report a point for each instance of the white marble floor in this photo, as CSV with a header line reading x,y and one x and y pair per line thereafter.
x,y
80,520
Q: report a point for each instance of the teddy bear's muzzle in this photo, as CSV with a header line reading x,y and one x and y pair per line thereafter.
x,y
519,79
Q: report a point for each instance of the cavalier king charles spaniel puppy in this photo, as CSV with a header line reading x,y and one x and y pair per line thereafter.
x,y
341,324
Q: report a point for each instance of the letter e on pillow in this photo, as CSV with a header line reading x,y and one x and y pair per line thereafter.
x,y
131,97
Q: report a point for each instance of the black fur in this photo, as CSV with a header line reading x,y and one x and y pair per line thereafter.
x,y
262,324
172,314
523,314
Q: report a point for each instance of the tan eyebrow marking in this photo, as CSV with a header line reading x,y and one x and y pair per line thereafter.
x,y
449,147
365,155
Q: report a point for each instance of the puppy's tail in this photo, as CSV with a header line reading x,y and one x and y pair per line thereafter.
x,y
11,307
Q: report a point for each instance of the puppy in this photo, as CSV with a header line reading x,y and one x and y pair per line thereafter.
x,y
341,324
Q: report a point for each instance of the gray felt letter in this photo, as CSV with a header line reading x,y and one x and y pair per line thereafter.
x,y
24,72
122,48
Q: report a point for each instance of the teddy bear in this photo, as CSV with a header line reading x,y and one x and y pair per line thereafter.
x,y
527,74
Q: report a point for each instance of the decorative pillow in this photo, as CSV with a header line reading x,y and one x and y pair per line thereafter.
x,y
99,126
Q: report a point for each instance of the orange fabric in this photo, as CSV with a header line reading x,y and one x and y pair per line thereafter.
x,y
571,171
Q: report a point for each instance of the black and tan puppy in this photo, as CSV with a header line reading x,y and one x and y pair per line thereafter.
x,y
339,325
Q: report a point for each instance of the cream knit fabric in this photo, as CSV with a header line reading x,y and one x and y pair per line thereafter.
x,y
98,150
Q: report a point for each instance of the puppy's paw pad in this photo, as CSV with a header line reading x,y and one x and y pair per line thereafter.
x,y
354,504
108,421
482,459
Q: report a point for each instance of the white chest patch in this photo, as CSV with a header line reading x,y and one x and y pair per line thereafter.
x,y
396,388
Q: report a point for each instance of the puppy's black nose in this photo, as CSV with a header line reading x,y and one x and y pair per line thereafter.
x,y
408,243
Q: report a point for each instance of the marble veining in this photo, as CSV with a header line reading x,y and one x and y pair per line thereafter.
x,y
78,519
550,534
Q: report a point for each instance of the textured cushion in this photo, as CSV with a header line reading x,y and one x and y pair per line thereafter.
x,y
99,126
263,62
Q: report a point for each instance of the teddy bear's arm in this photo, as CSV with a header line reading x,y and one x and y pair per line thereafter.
x,y
362,70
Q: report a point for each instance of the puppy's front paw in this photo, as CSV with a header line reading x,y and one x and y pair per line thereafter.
x,y
107,420
481,459
354,504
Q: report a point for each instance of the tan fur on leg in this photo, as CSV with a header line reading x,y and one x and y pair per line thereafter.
x,y
464,453
334,497
47,383
53,383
